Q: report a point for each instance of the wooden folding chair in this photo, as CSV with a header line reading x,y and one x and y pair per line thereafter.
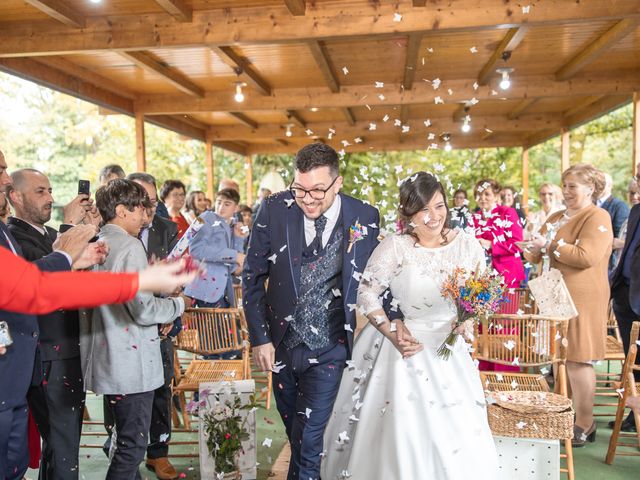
x,y
629,389
528,341
607,383
210,331
264,379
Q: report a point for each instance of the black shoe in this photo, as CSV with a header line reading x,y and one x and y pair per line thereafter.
x,y
628,426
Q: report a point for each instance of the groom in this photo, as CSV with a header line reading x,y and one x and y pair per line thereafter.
x,y
302,326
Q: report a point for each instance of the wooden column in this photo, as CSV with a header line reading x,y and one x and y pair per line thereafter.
x,y
565,149
211,165
525,180
636,133
141,155
248,163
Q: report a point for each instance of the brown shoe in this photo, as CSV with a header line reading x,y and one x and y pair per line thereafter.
x,y
163,468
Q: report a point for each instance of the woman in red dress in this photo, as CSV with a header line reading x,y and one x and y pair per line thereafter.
x,y
172,194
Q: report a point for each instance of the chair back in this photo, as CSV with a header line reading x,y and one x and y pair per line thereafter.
x,y
518,300
210,331
237,293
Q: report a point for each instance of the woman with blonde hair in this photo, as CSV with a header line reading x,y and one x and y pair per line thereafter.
x,y
577,241
550,197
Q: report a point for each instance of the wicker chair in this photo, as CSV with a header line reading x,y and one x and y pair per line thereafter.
x,y
629,388
210,331
607,382
261,378
528,341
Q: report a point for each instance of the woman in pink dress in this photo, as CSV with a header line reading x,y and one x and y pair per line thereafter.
x,y
498,228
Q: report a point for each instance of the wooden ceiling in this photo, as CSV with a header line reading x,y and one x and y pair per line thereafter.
x,y
357,74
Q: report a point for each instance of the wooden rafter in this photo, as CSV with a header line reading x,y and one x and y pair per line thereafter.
x,y
345,131
592,51
296,7
596,109
521,107
462,111
181,82
177,9
282,141
180,125
296,118
59,10
321,56
411,60
419,3
275,24
422,93
242,118
591,99
241,66
404,114
348,115
234,147
509,43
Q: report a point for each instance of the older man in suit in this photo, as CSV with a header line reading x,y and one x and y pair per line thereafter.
x,y
57,395
17,364
303,243
119,344
625,290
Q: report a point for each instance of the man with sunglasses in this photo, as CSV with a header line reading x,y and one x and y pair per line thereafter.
x,y
312,244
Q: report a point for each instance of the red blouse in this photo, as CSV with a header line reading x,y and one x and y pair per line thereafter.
x,y
25,289
182,224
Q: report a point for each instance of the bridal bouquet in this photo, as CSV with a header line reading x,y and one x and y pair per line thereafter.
x,y
475,295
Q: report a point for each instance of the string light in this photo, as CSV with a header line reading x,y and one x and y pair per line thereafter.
x,y
505,82
288,133
95,1
239,96
466,123
446,137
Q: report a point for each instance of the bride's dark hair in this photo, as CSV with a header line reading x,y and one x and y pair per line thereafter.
x,y
416,192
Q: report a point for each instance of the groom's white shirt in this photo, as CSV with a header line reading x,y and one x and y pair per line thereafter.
x,y
332,218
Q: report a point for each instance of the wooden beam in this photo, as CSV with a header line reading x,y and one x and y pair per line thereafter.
x,y
141,158
147,61
521,107
539,137
596,48
411,60
509,43
525,179
59,10
321,56
348,115
243,119
240,65
233,147
179,125
591,99
296,118
419,3
275,24
248,168
565,149
282,141
421,93
296,7
635,160
597,109
404,114
343,131
210,163
462,111
177,9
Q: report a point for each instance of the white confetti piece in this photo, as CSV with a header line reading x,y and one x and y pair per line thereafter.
x,y
526,9
438,100
289,202
473,50
602,228
288,318
345,70
397,17
372,126
514,384
503,167
267,442
427,123
347,327
476,86
314,330
336,292
520,425
164,437
509,345
342,438
276,367
379,84
381,97
272,258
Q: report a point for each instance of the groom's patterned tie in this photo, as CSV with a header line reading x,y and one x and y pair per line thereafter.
x,y
316,244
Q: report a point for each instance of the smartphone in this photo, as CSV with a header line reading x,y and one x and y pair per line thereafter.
x,y
238,217
5,335
84,187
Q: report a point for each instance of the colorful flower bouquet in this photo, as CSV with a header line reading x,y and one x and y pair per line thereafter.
x,y
475,294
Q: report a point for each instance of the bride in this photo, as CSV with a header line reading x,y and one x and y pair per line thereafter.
x,y
402,412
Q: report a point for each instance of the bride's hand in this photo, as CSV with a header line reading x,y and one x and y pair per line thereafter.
x,y
404,342
466,330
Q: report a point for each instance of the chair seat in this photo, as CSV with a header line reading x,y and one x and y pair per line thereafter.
x,y
503,381
200,371
614,350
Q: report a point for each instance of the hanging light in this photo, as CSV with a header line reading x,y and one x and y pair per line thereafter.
x,y
446,137
95,1
505,82
288,133
239,96
466,123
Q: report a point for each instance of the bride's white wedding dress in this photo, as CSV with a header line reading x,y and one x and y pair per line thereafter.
x,y
420,418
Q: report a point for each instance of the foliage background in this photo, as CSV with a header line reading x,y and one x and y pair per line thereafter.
x,y
69,139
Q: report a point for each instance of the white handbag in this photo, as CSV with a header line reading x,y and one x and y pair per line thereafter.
x,y
552,295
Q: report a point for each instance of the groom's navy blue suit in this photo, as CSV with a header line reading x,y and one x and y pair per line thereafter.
x,y
307,383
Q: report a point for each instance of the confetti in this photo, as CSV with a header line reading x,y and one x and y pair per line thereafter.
x,y
379,84
276,367
267,442
289,202
345,70
526,9
602,228
372,126
438,100
473,50
397,17
272,258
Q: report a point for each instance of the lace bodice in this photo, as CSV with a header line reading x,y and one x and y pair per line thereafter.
x,y
415,274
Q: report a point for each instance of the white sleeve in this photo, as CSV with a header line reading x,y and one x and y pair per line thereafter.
x,y
382,266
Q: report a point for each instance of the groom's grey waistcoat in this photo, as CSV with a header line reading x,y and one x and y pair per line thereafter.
x,y
319,317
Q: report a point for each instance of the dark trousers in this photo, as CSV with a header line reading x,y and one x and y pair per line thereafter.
x,y
132,416
305,395
57,405
624,316
160,430
14,454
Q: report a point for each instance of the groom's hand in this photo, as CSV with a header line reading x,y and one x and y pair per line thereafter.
x,y
264,356
406,343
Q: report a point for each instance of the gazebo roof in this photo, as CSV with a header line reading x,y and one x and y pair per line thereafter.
x,y
377,75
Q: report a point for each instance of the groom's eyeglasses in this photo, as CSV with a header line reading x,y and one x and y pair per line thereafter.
x,y
316,193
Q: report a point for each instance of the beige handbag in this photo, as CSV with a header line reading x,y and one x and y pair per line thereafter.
x,y
552,295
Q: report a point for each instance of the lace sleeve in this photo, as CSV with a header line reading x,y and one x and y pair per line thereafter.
x,y
476,256
382,266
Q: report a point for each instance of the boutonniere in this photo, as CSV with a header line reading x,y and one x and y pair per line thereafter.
x,y
356,233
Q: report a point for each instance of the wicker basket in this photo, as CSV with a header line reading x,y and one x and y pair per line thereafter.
x,y
524,414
